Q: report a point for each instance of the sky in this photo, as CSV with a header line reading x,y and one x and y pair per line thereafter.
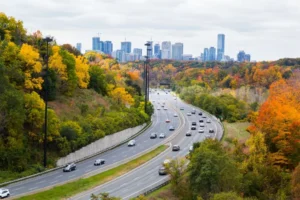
x,y
266,29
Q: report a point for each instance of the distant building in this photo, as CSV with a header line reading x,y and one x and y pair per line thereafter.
x,y
205,55
126,47
212,54
119,55
220,47
138,53
96,43
247,57
108,47
157,51
241,56
187,57
150,49
177,51
166,50
78,47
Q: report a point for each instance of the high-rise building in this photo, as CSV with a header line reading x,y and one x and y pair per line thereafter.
x,y
247,57
166,50
212,54
138,53
157,51
96,43
126,47
241,56
120,56
177,51
220,47
187,57
205,55
108,47
78,47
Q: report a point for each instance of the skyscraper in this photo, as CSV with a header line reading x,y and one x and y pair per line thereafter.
x,y
177,51
96,44
126,47
138,53
78,47
212,54
120,56
241,56
247,57
166,50
221,47
205,55
108,47
157,51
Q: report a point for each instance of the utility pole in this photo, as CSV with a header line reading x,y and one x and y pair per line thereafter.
x,y
146,73
47,40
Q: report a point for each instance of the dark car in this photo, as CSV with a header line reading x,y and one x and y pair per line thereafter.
x,y
201,120
200,113
171,128
194,123
175,148
69,167
203,116
99,162
193,112
162,171
193,128
153,135
211,130
208,121
188,134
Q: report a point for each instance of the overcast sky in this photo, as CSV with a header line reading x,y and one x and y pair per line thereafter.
x,y
267,29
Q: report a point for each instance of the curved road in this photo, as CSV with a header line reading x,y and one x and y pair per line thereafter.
x,y
146,176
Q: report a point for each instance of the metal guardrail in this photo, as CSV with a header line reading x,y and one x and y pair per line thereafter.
x,y
60,167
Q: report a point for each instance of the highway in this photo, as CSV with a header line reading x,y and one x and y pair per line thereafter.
x,y
146,176
85,168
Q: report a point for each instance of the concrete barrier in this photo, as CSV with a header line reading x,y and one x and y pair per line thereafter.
x,y
100,145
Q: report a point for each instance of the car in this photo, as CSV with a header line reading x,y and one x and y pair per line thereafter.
x,y
211,130
202,125
201,120
69,167
194,123
182,108
162,171
167,121
153,135
162,135
193,112
193,128
162,106
165,108
175,148
167,161
158,93
153,101
175,98
191,148
4,193
175,115
201,130
188,134
171,128
203,116
208,121
131,143
158,108
99,162
200,113
189,114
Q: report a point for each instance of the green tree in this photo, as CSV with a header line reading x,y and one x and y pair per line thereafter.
x,y
226,196
97,80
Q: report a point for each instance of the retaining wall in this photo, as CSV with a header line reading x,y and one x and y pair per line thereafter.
x,y
100,145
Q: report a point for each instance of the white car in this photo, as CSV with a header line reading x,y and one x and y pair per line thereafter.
x,y
175,115
191,148
201,131
165,108
189,114
162,135
4,193
208,121
131,143
202,125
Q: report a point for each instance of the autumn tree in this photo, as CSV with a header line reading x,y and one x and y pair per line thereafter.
x,y
121,96
296,183
82,71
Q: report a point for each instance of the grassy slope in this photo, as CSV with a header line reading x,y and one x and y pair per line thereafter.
x,y
236,130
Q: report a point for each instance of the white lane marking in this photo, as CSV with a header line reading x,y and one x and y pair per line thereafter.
x,y
88,170
33,188
124,184
41,182
58,176
19,188
72,176
136,178
53,182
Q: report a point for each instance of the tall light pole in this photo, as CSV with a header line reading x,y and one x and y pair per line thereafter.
x,y
47,40
146,73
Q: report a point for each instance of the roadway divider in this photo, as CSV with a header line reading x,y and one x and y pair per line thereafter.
x,y
60,167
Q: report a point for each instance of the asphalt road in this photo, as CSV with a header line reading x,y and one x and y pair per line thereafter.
x,y
123,152
146,176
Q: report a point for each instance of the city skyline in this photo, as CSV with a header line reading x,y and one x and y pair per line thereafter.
x,y
270,31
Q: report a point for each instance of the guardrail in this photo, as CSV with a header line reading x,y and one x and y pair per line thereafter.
x,y
81,160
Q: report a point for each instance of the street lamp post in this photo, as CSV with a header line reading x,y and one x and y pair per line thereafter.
x,y
146,73
47,40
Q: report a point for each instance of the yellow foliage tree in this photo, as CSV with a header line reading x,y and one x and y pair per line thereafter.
x,y
32,66
121,96
56,63
82,72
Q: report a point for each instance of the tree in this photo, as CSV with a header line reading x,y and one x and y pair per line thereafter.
x,y
82,71
296,183
97,80
226,196
31,67
121,96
